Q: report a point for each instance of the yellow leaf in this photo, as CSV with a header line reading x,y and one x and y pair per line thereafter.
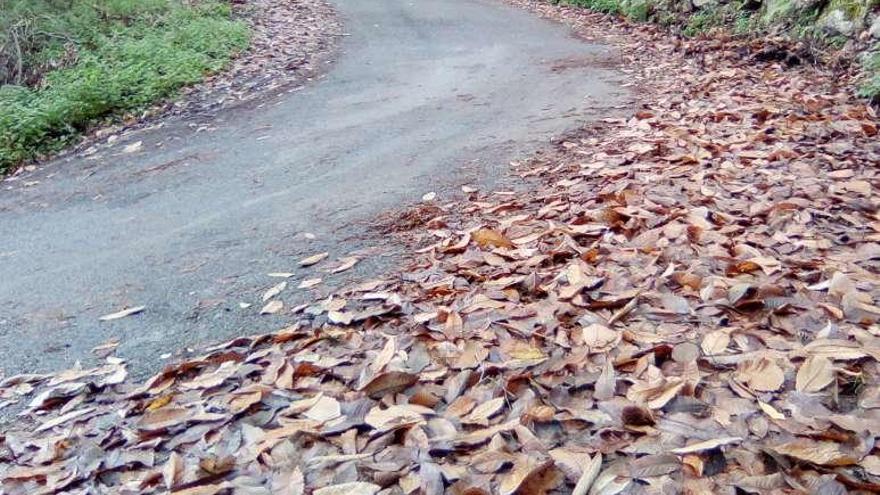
x,y
488,237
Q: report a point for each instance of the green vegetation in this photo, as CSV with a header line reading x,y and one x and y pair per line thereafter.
x,y
606,6
65,64
871,86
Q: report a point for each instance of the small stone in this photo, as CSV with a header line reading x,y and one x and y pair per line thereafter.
x,y
836,22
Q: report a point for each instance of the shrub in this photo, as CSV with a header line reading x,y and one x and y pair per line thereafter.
x,y
128,54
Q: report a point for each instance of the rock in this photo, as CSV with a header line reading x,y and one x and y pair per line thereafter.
x,y
837,22
699,4
874,30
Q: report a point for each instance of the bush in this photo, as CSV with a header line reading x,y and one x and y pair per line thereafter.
x,y
128,54
870,88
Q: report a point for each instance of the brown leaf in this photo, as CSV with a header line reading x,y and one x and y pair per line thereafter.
x,y
651,466
353,488
274,291
347,264
715,343
484,411
530,477
815,373
172,472
822,453
313,260
272,307
706,445
606,385
491,238
762,374
591,470
600,338
389,382
165,417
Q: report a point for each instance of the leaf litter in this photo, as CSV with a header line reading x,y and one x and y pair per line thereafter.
x,y
685,301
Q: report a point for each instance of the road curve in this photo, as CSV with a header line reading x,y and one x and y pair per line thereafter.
x,y
424,95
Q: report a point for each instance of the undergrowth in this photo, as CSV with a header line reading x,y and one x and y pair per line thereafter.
x,y
871,86
743,18
66,64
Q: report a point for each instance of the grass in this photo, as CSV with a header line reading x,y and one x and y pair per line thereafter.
x,y
605,6
67,64
870,87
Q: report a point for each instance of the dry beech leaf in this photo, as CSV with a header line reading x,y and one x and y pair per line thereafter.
x,y
396,416
762,374
530,477
353,488
389,382
165,417
816,373
325,409
590,471
715,343
822,453
274,291
172,473
347,264
486,238
123,313
600,338
272,307
606,385
706,445
770,411
484,411
871,464
309,283
651,466
313,260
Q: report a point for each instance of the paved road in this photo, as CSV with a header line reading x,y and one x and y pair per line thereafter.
x,y
425,95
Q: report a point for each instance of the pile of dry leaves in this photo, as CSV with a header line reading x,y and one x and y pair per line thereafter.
x,y
684,303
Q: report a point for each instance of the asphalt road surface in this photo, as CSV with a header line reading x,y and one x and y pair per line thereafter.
x,y
425,95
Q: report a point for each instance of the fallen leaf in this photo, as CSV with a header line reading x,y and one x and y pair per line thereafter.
x,y
123,313
352,488
347,264
706,445
309,283
313,260
591,470
715,343
761,374
822,453
272,307
816,373
133,147
490,238
274,291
